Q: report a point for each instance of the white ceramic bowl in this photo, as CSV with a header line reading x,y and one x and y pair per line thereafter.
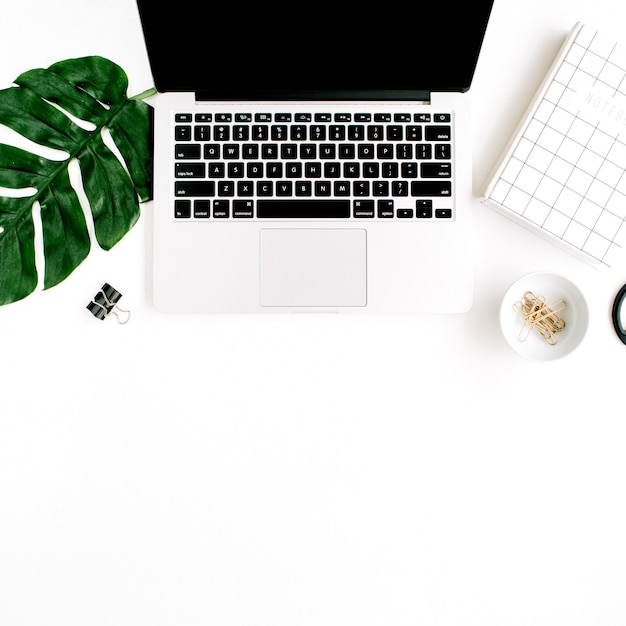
x,y
553,288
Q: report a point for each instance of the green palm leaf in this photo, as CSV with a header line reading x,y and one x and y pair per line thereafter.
x,y
46,107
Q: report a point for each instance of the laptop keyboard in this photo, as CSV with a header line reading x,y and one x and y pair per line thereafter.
x,y
351,166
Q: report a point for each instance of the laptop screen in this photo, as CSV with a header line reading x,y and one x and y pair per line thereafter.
x,y
324,50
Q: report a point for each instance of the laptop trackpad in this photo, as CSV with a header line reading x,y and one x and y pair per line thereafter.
x,y
313,267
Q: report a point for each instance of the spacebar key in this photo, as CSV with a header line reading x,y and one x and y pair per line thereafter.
x,y
307,209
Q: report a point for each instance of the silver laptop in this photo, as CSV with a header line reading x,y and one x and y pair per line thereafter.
x,y
312,159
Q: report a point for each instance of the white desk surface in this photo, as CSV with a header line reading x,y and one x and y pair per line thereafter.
x,y
305,470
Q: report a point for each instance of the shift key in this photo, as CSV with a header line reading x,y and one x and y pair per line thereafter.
x,y
425,188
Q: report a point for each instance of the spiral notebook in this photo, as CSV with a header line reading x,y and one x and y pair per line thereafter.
x,y
563,173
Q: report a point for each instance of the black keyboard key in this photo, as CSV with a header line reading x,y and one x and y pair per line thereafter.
x,y
342,188
399,188
264,188
414,133
303,209
182,209
313,170
366,151
337,133
322,188
317,132
284,188
189,170
279,132
384,151
201,209
274,170
363,208
293,170
243,208
269,151
260,133
394,133
226,188
332,170
404,151
235,170
241,133
304,188
438,133
194,188
221,209
409,169
182,133
346,151
443,151
221,133
385,209
328,151
356,132
212,151
381,188
390,170
423,151
308,151
361,188
217,170
431,188
424,208
298,132
375,133
202,133
231,151
351,170
289,151
245,188
250,151
187,151
254,170
436,170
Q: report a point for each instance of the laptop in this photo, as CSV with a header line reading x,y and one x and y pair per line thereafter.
x,y
312,158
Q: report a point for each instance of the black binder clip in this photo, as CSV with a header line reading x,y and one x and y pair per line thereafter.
x,y
105,303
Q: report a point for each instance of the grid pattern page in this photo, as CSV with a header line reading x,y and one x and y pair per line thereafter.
x,y
564,175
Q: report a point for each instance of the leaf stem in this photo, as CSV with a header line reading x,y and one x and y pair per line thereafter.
x,y
145,94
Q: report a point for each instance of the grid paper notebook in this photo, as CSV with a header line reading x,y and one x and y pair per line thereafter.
x,y
563,174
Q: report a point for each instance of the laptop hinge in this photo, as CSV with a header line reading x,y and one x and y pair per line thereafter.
x,y
422,96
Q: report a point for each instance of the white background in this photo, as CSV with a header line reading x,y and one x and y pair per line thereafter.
x,y
310,470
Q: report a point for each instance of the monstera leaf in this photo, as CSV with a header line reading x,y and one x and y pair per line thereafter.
x,y
69,107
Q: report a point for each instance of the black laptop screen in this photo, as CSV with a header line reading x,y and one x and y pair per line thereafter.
x,y
268,50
